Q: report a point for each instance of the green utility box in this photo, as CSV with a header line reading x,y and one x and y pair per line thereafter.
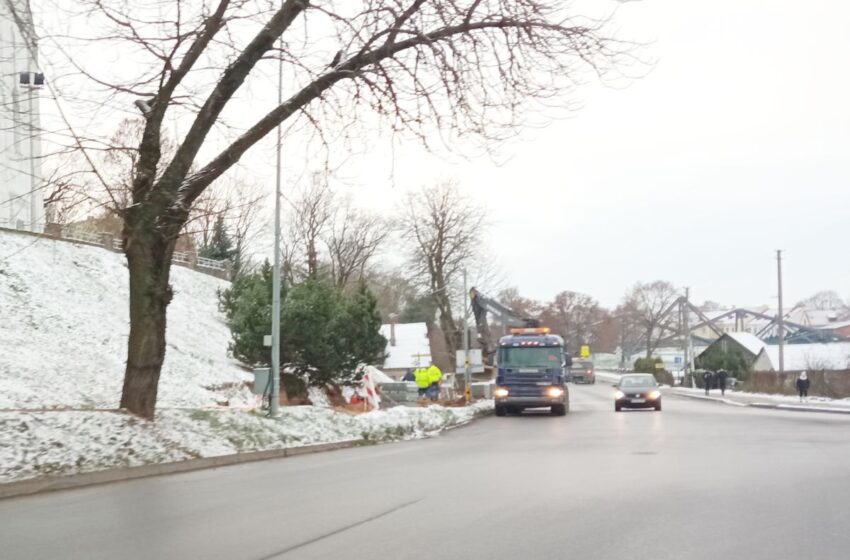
x,y
262,381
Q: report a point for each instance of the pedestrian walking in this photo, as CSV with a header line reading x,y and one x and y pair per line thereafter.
x,y
707,378
721,380
408,375
803,383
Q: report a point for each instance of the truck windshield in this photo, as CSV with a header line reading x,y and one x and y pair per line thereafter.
x,y
539,357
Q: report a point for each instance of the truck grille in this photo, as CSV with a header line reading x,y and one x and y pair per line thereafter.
x,y
526,384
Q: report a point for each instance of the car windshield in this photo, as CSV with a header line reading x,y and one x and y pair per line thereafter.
x,y
538,357
641,381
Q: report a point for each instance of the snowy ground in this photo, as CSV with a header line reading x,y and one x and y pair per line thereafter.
x,y
764,397
34,444
64,327
63,337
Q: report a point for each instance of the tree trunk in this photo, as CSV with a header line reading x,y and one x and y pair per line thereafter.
x,y
149,259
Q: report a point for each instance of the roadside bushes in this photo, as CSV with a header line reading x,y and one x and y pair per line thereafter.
x,y
731,359
650,365
325,333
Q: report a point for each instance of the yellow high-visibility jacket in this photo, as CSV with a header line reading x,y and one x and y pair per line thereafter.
x,y
422,377
434,373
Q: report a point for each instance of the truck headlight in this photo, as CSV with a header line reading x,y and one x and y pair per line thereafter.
x,y
554,392
500,392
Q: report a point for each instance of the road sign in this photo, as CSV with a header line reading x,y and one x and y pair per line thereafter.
x,y
475,363
584,352
659,365
677,360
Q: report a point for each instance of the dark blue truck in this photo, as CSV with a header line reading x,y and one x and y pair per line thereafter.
x,y
532,370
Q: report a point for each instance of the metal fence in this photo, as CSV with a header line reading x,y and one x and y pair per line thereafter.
x,y
106,240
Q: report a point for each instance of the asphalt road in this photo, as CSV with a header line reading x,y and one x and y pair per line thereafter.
x,y
696,481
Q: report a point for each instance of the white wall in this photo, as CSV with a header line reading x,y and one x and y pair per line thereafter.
x,y
20,145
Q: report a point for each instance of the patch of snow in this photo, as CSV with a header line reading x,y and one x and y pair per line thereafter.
x,y
65,325
34,444
318,397
750,342
377,375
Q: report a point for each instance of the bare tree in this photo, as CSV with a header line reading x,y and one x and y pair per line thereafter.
x,y
522,306
353,240
239,205
444,230
648,307
468,66
311,215
65,198
577,317
826,300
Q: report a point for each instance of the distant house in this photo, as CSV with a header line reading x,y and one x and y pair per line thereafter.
x,y
838,328
408,347
797,357
749,344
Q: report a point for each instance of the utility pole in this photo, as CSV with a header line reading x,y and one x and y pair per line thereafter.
x,y
467,389
781,322
686,311
274,398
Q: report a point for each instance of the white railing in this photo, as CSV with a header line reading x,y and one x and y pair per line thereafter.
x,y
73,234
212,263
182,258
81,235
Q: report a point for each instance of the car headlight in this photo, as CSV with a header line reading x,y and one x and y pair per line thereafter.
x,y
654,395
500,392
554,392
619,395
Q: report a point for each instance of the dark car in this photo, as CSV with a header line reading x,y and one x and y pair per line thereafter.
x,y
637,390
582,371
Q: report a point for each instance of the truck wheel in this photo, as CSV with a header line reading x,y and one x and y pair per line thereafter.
x,y
500,410
559,410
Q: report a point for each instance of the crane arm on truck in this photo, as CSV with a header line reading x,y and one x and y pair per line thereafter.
x,y
481,306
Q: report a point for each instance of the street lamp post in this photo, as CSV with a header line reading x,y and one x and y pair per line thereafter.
x,y
274,398
467,389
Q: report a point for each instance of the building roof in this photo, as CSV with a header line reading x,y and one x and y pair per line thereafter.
x,y
750,342
809,356
412,347
835,325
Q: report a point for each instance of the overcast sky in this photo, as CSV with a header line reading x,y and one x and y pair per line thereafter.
x,y
736,144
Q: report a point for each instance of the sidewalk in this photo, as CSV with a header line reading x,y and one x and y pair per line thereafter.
x,y
762,400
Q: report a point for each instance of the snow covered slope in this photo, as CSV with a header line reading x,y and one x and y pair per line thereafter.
x,y
64,326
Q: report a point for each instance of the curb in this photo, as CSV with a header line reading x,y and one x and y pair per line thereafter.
x,y
68,482
794,408
766,406
711,399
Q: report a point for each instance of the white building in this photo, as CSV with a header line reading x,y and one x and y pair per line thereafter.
x,y
408,347
796,357
21,199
